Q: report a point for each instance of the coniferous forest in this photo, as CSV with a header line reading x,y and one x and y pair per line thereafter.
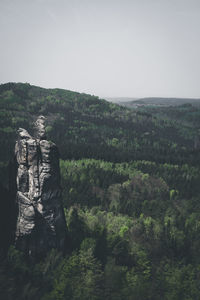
x,y
130,182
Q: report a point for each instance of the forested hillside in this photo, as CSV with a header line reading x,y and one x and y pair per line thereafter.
x,y
85,126
131,195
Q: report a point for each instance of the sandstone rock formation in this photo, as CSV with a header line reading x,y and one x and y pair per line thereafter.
x,y
40,223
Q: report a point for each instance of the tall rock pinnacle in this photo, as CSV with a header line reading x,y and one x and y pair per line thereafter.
x,y
40,222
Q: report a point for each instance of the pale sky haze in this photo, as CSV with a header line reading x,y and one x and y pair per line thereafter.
x,y
109,48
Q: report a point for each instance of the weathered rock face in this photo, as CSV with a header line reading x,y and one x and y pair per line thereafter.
x,y
40,218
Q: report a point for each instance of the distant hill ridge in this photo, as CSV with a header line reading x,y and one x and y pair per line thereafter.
x,y
166,101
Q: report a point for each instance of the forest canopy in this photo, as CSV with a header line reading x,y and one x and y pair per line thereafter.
x,y
131,196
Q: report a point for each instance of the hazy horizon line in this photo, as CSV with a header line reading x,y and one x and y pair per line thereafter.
x,y
102,97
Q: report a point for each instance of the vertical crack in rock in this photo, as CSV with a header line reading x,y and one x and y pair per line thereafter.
x,y
40,222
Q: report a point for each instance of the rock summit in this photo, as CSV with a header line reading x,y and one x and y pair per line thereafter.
x,y
40,223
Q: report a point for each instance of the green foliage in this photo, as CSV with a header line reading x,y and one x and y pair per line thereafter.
x,y
130,181
79,277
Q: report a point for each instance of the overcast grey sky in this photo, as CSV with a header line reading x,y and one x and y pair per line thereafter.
x,y
132,48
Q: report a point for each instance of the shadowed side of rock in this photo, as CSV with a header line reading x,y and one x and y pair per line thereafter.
x,y
40,222
6,218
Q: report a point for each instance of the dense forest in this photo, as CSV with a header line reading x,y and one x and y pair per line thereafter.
x,y
131,196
